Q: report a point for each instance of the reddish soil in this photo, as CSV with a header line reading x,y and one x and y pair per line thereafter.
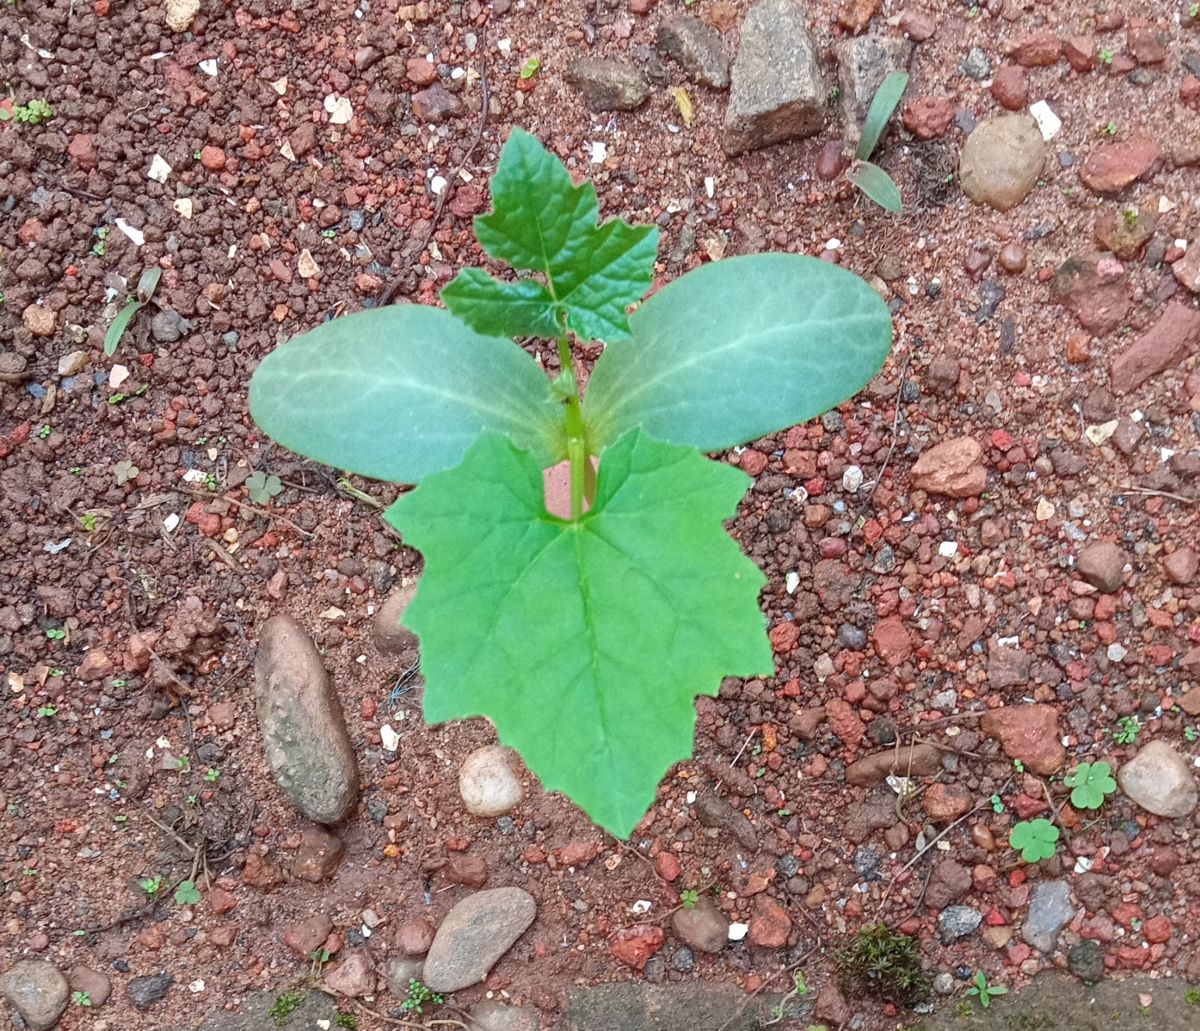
x,y
129,611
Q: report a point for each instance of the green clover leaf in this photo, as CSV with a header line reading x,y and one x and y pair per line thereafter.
x,y
542,222
584,641
1091,783
187,894
1034,839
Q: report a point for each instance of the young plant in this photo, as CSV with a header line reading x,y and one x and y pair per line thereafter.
x,y
869,177
285,1005
187,894
983,991
527,610
1034,839
1127,730
262,487
689,897
1091,783
83,999
33,113
147,284
151,885
885,964
419,996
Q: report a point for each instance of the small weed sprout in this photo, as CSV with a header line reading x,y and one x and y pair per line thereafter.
x,y
187,894
1091,783
47,711
1034,839
1106,55
151,885
285,1005
885,964
419,996
530,68
81,999
983,991
33,113
1192,995
997,804
689,897
869,177
1127,730
346,1020
1110,129
262,487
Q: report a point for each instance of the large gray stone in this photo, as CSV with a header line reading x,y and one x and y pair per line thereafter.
x,y
863,63
1001,161
1049,910
37,990
1160,781
304,732
778,90
698,48
474,935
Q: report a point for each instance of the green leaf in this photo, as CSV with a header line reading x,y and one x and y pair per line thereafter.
x,y
738,349
187,894
1034,839
148,283
883,104
543,223
876,184
1091,782
400,392
112,338
584,641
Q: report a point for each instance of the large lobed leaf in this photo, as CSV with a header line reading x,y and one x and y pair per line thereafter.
x,y
584,641
543,223
739,349
401,392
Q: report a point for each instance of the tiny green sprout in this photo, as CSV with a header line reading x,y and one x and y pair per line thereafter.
x,y
45,432
1106,55
262,487
76,470
1110,129
1018,766
151,885
1130,216
29,871
193,799
1192,995
1034,839
997,804
187,894
1127,730
117,398
346,1020
88,521
212,776
418,995
689,897
201,441
1190,734
329,234
196,154
124,471
56,672
983,991
120,818
98,248
119,682
56,634
81,999
33,113
1194,10
530,68
182,763
1090,784
47,711
212,483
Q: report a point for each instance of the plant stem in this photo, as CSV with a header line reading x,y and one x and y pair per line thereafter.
x,y
576,442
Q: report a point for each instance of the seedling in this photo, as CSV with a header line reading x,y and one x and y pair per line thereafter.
x,y
882,963
1091,784
1127,730
1190,734
124,471
997,804
212,776
733,350
689,897
1018,766
1130,216
47,711
151,885
868,177
318,958
44,432
1192,997
1106,55
1110,129
147,284
418,996
285,1005
530,68
99,247
263,487
1034,839
187,894
56,634
346,1020
799,990
983,991
81,999
33,113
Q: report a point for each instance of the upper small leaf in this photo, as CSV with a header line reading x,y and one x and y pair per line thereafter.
x,y
543,223
397,393
877,184
585,641
882,105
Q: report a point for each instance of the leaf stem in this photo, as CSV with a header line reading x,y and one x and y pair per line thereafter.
x,y
576,440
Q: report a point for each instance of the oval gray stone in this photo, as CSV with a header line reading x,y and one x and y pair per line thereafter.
x,y
37,990
303,729
474,935
1160,781
1001,161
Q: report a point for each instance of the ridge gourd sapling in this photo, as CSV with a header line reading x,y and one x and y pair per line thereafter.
x,y
584,638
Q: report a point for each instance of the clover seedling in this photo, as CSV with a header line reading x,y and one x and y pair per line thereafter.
x,y
1034,839
81,999
983,991
187,894
263,487
151,885
582,628
689,897
869,177
1090,784
1127,730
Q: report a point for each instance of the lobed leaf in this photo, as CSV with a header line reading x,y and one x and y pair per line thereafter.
x,y
586,641
883,105
398,393
541,222
739,349
876,184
